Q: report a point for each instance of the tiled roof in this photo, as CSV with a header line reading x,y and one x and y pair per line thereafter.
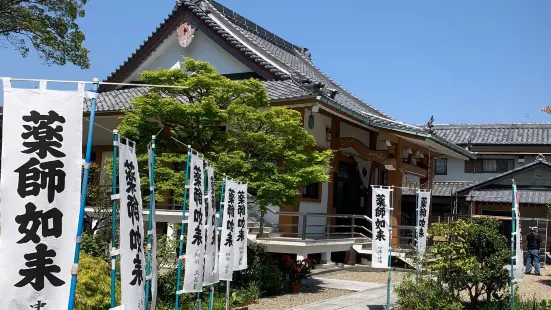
x,y
514,134
528,196
119,100
442,189
285,61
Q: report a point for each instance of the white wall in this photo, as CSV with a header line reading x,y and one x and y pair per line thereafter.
x,y
355,132
318,132
315,207
201,48
456,169
102,135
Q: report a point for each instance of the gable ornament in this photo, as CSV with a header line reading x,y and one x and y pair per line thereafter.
x,y
185,34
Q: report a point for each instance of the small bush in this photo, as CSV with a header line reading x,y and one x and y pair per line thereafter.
x,y
427,294
94,284
260,270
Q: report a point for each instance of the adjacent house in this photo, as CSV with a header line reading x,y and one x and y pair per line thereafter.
x,y
483,186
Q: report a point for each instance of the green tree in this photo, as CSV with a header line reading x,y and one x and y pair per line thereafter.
x,y
473,258
231,123
94,284
49,26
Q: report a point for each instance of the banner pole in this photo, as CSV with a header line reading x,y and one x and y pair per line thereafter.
x,y
150,224
228,295
114,220
390,252
211,294
417,236
182,230
512,277
84,189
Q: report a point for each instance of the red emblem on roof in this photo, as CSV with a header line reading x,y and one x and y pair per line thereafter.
x,y
185,34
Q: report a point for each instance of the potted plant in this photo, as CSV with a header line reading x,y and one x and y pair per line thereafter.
x,y
295,271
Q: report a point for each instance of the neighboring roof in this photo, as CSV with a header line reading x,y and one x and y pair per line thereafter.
x,y
527,196
539,162
512,134
120,100
280,58
442,189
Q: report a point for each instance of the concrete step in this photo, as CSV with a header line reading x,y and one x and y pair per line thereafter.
x,y
256,230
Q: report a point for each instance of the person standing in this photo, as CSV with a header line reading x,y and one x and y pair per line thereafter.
x,y
534,245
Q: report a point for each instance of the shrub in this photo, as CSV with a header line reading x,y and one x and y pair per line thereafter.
x,y
94,284
472,259
260,270
427,294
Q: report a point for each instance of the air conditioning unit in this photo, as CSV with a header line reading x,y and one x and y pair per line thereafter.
x,y
520,159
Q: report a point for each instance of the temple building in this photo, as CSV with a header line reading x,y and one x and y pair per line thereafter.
x,y
373,148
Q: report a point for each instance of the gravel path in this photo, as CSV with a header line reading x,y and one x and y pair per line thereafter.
x,y
380,277
532,286
307,295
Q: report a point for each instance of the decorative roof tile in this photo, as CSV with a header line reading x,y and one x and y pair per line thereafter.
x,y
497,134
120,100
442,189
527,196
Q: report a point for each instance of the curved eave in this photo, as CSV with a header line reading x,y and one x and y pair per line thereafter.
x,y
401,127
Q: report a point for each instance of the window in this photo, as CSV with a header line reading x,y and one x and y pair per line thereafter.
x,y
441,166
497,165
489,165
311,191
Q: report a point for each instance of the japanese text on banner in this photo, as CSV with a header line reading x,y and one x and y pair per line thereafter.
x,y
40,190
131,231
423,205
226,255
211,237
240,245
195,249
381,227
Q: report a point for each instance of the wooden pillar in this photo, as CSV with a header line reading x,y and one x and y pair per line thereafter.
x,y
335,134
395,178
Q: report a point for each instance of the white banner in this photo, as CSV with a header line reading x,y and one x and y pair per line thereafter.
x,y
211,240
423,210
519,257
228,233
40,190
131,230
381,227
240,245
153,235
195,249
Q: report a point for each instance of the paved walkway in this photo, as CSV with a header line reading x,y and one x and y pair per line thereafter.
x,y
371,296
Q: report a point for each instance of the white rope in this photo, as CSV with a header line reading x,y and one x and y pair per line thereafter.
x,y
92,82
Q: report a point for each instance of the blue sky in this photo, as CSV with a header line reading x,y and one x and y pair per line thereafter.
x,y
467,61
